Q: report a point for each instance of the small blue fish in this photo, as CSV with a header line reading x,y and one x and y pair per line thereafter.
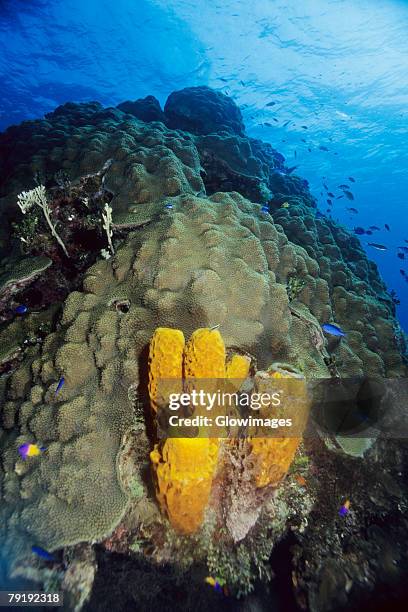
x,y
22,309
333,330
60,384
168,206
41,552
344,510
265,209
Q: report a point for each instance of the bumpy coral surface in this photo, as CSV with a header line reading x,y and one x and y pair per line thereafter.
x,y
186,258
201,110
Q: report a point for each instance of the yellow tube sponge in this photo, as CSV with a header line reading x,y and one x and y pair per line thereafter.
x,y
165,362
185,469
204,355
238,367
275,455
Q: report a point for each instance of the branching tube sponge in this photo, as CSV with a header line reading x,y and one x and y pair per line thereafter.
x,y
107,226
38,197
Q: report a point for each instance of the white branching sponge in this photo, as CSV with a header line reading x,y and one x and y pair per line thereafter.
x,y
38,197
107,226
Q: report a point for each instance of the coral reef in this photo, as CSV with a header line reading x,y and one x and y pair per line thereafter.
x,y
194,248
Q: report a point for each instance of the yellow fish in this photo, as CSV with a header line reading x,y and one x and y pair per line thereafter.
x,y
211,581
30,450
285,205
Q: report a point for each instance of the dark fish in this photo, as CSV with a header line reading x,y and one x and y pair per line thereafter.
x,y
295,153
353,210
387,227
325,186
60,385
41,552
330,194
350,178
267,124
309,149
304,127
343,186
275,119
369,232
404,248
333,330
374,228
359,230
22,309
290,170
379,247
286,123
303,140
329,202
348,195
320,215
322,148
401,255
339,197
404,274
271,104
406,241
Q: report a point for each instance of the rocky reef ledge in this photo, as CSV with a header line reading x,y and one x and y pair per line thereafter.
x,y
146,218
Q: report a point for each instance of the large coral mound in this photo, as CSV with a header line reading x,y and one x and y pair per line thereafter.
x,y
201,110
184,259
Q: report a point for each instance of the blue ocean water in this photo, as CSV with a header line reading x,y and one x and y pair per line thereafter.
x,y
336,71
